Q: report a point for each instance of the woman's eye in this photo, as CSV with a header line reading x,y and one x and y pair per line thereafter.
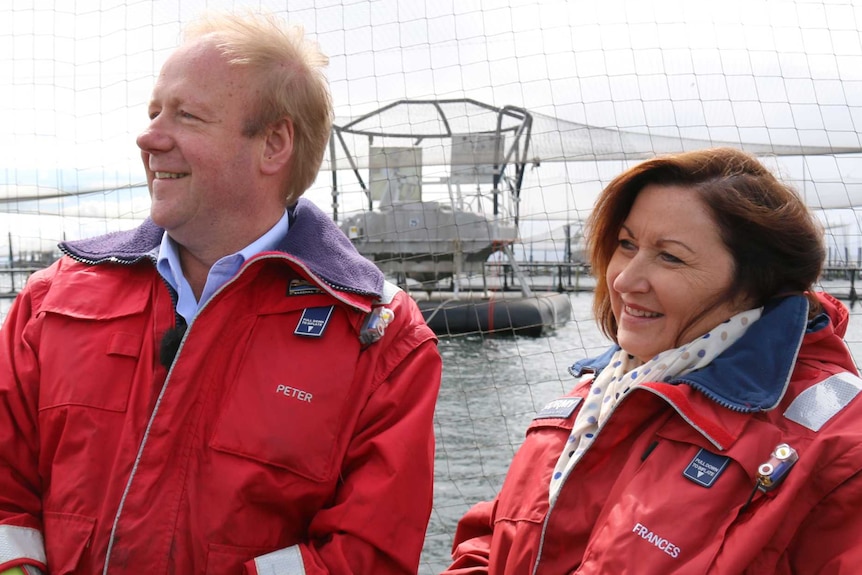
x,y
627,244
670,258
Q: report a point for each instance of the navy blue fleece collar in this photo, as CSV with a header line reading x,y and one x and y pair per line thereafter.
x,y
753,373
313,239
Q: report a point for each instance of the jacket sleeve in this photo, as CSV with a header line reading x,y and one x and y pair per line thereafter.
x,y
21,538
377,520
471,548
828,542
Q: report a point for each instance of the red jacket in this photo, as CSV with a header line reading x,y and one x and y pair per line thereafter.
x,y
263,446
668,486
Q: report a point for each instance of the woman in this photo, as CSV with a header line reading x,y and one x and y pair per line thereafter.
x,y
722,432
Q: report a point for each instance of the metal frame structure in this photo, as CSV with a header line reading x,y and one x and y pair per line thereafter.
x,y
514,154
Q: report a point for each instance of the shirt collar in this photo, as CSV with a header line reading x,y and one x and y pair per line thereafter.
x,y
169,267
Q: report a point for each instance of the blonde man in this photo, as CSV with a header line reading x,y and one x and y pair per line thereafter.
x,y
204,395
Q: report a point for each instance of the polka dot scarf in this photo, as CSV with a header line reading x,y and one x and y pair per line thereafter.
x,y
626,372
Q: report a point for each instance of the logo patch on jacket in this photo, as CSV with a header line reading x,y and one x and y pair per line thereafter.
x,y
302,287
313,321
705,468
559,408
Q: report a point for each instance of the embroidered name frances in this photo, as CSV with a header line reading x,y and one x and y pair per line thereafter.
x,y
656,540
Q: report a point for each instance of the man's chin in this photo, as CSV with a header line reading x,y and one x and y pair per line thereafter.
x,y
161,215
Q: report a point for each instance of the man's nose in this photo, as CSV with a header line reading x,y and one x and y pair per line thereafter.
x,y
155,138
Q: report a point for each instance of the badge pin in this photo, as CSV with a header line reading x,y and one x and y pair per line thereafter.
x,y
375,325
775,469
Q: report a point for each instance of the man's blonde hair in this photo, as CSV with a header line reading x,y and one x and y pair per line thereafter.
x,y
289,68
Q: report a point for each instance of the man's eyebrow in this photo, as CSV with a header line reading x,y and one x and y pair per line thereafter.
x,y
177,102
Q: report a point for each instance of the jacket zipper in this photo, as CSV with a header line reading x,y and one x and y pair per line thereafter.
x,y
329,288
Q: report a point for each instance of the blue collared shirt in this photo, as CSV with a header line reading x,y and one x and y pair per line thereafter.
x,y
168,265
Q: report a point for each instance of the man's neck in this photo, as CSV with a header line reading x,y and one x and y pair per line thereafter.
x,y
195,271
197,260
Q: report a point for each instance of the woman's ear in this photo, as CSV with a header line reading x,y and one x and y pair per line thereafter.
x,y
278,147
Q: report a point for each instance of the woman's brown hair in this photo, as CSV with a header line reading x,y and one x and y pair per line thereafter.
x,y
775,241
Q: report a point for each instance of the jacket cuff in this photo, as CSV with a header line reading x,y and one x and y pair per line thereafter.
x,y
287,561
20,547
23,570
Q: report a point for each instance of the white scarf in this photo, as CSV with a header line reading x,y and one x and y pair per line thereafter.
x,y
625,372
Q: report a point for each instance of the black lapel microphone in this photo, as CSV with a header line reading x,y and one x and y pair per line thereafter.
x,y
171,343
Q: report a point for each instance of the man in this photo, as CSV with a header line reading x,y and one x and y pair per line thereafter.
x,y
230,388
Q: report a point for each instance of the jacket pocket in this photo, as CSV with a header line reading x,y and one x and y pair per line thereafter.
x,y
293,400
524,495
89,363
67,536
91,337
674,513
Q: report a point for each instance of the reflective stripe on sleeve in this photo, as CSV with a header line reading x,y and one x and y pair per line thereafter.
x,y
286,561
821,402
21,543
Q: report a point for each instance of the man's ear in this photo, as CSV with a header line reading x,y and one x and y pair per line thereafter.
x,y
278,147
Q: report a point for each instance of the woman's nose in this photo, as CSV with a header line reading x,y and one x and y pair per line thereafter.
x,y
633,277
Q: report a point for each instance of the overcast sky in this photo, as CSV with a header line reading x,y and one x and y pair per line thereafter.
x,y
75,76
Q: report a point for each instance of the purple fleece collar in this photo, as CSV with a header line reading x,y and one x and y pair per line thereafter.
x,y
313,239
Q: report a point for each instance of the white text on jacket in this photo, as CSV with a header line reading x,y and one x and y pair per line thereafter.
x,y
656,540
293,392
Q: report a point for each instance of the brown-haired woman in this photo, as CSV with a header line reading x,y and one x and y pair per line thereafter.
x,y
720,433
